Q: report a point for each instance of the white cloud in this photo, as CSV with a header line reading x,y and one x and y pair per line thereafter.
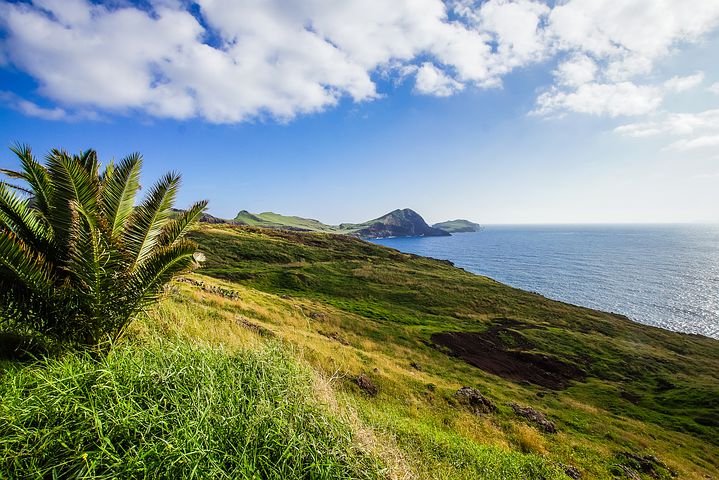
x,y
623,41
610,99
576,71
693,130
714,88
432,81
706,141
33,110
682,84
282,58
516,27
673,124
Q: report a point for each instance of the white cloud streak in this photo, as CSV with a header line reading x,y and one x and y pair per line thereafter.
x,y
691,131
242,60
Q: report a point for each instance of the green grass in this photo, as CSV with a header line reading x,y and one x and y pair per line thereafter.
x,y
276,220
646,390
261,383
171,410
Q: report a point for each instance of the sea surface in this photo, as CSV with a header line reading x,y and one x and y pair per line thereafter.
x,y
666,276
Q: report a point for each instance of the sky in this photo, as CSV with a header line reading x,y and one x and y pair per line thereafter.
x,y
499,111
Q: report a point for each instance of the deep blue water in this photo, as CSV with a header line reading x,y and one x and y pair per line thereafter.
x,y
666,276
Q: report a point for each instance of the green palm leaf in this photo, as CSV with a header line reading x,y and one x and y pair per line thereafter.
x,y
177,228
147,220
119,188
24,221
77,260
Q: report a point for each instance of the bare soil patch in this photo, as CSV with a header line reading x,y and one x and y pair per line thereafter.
x,y
503,351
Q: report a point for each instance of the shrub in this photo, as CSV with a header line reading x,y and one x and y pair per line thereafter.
x,y
78,259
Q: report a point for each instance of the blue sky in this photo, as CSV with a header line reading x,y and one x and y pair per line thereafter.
x,y
499,111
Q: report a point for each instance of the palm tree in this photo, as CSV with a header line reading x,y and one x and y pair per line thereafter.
x,y
78,259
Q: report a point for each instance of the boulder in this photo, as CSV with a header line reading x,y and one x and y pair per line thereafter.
x,y
474,400
535,417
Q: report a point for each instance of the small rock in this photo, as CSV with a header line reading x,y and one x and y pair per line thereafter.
x,y
259,329
570,471
285,297
334,336
646,464
630,473
416,366
366,385
317,316
473,398
538,418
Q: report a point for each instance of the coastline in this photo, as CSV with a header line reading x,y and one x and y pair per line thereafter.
x,y
572,264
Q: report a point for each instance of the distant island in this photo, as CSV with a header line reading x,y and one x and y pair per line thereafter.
x,y
397,223
458,226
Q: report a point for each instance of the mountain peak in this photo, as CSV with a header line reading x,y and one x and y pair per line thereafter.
x,y
402,222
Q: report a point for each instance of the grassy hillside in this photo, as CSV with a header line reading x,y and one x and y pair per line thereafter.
x,y
275,220
458,226
623,396
310,355
404,222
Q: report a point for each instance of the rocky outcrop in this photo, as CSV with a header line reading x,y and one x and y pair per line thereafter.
x,y
533,416
398,223
366,385
474,400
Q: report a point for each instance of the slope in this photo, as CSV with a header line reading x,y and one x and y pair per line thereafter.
x,y
624,399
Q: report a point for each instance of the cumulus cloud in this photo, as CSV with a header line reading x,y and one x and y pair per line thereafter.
x,y
576,71
613,46
433,81
714,88
610,99
228,61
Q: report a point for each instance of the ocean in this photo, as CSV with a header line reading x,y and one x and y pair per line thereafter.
x,y
666,276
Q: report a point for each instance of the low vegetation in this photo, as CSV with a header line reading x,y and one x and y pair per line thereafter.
x,y
613,388
172,410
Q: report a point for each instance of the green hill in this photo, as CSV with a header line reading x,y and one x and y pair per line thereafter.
x,y
312,355
275,220
458,226
624,398
398,223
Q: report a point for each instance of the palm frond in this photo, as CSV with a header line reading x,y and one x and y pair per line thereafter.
x,y
147,280
17,187
24,221
36,176
71,182
147,220
178,227
19,263
120,184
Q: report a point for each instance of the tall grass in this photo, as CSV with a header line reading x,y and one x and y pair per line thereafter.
x,y
171,410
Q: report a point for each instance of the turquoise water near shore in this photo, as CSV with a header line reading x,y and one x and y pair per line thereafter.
x,y
661,275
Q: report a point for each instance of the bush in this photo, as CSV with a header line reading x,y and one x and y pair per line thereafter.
x,y
78,259
171,411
